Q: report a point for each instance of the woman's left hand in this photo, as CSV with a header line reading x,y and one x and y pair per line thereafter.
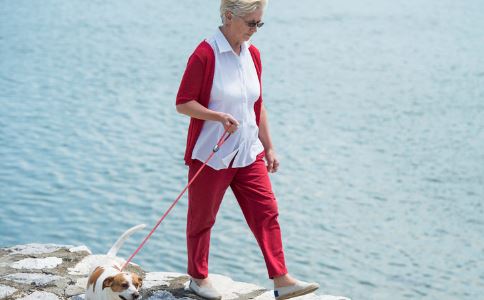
x,y
272,161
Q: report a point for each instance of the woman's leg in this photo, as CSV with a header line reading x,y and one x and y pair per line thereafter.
x,y
252,188
204,197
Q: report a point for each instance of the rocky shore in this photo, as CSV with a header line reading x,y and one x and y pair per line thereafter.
x,y
53,272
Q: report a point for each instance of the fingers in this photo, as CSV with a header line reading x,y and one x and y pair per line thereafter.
x,y
272,163
270,166
233,121
233,128
230,123
275,166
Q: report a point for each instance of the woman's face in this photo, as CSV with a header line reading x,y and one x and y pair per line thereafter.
x,y
241,25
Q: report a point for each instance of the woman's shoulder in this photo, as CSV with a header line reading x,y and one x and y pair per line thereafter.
x,y
254,52
253,49
204,51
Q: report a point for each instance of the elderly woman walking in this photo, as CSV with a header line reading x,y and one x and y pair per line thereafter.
x,y
221,90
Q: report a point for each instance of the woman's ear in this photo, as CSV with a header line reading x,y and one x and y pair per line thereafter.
x,y
228,16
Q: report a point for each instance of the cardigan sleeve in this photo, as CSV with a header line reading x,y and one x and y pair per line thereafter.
x,y
192,80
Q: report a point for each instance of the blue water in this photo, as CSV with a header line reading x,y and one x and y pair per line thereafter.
x,y
376,110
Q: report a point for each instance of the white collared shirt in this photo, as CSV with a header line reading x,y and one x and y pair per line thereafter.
x,y
235,89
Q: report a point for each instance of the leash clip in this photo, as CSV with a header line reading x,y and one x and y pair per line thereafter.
x,y
215,148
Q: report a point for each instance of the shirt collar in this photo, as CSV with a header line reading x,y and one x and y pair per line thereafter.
x,y
224,46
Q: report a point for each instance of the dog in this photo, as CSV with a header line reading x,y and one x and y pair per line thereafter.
x,y
107,282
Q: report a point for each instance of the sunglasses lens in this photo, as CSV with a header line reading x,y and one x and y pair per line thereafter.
x,y
255,24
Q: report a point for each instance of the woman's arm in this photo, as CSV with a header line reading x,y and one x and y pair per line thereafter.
x,y
265,138
198,111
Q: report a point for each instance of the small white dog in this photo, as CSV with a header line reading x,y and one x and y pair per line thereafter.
x,y
107,282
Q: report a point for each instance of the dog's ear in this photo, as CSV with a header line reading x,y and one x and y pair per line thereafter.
x,y
137,281
108,282
94,277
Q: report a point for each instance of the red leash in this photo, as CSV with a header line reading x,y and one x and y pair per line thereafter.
x,y
215,149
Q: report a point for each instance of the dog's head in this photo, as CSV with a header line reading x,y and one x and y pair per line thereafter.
x,y
124,285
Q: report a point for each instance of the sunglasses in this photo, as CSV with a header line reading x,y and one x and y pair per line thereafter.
x,y
252,24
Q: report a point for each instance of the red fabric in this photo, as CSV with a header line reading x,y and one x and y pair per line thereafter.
x,y
252,188
196,84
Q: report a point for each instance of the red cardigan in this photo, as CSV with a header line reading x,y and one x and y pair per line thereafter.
x,y
196,85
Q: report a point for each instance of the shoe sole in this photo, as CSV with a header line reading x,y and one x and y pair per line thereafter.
x,y
302,292
208,298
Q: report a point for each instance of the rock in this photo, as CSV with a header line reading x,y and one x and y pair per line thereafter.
x,y
153,279
269,295
36,279
6,291
232,289
37,263
30,249
79,249
74,290
64,270
165,295
40,296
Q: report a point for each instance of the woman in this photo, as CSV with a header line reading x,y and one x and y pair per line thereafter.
x,y
220,90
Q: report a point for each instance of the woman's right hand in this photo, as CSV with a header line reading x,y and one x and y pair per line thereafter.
x,y
229,122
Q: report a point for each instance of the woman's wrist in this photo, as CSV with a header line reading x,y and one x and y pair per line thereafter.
x,y
217,116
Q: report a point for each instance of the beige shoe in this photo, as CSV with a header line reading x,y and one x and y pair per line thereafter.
x,y
206,291
295,290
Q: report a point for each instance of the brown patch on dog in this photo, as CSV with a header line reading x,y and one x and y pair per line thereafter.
x,y
117,283
137,281
94,277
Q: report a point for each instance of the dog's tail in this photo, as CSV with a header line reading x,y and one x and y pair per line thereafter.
x,y
119,243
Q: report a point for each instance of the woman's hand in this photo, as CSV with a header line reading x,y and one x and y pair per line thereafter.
x,y
229,122
272,161
196,110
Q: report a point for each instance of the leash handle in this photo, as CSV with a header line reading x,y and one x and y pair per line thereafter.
x,y
219,144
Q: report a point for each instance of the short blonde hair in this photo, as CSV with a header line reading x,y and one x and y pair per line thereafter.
x,y
240,7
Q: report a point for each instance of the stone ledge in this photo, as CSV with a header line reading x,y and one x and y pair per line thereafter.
x,y
49,271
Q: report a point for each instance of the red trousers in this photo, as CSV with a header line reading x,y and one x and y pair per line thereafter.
x,y
252,188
